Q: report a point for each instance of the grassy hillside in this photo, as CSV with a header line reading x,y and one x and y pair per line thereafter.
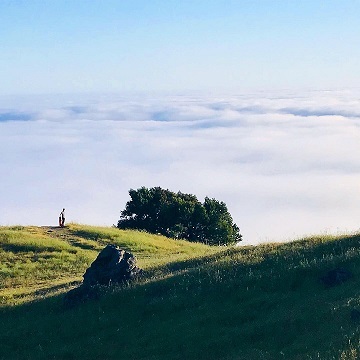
x,y
195,302
41,261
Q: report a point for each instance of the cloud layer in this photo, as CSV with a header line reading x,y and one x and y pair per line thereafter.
x,y
286,164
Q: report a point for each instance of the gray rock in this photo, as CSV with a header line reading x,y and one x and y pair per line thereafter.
x,y
112,266
336,277
355,315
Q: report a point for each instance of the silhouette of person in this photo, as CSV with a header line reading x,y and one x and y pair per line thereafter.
x,y
62,218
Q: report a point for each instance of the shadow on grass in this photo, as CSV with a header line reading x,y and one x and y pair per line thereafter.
x,y
143,307
16,248
317,248
282,262
279,260
91,235
84,246
55,288
186,265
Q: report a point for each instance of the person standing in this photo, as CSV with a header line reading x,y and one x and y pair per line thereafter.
x,y
62,218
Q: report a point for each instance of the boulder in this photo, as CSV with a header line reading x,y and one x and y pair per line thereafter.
x,y
112,266
336,277
355,315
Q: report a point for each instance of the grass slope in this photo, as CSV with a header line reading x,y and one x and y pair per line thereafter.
x,y
196,301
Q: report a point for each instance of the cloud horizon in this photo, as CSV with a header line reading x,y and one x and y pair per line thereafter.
x,y
285,163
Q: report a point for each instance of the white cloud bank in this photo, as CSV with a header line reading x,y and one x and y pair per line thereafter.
x,y
286,164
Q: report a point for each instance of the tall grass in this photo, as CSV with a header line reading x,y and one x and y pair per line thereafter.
x,y
34,258
195,302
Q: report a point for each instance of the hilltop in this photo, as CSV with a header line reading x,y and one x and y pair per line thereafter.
x,y
195,301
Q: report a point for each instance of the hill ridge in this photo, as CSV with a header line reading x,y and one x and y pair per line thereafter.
x,y
195,302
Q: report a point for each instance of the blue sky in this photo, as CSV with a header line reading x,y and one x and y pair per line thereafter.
x,y
63,46
255,103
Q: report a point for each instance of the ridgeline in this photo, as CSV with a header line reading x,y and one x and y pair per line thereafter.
x,y
193,302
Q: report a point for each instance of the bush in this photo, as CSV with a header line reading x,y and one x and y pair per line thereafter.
x,y
179,216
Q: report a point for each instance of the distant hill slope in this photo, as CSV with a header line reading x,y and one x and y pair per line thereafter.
x,y
195,302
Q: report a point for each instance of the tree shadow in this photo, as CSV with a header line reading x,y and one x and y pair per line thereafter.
x,y
159,276
187,265
18,248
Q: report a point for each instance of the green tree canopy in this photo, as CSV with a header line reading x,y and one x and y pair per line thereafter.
x,y
179,216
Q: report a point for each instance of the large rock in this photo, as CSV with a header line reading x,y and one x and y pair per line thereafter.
x,y
112,266
355,315
336,277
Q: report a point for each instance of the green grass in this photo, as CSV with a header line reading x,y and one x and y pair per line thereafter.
x,y
195,301
37,260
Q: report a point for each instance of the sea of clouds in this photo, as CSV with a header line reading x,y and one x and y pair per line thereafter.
x,y
286,163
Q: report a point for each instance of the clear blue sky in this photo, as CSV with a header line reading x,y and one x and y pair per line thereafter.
x,y
52,46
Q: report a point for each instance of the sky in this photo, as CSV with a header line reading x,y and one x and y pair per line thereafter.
x,y
63,46
254,103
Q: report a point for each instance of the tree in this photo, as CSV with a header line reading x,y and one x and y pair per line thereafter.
x,y
179,216
220,223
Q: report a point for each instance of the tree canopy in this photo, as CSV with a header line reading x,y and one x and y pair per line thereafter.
x,y
179,216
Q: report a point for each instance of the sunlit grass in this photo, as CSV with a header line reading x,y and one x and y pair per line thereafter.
x,y
194,302
32,258
151,250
